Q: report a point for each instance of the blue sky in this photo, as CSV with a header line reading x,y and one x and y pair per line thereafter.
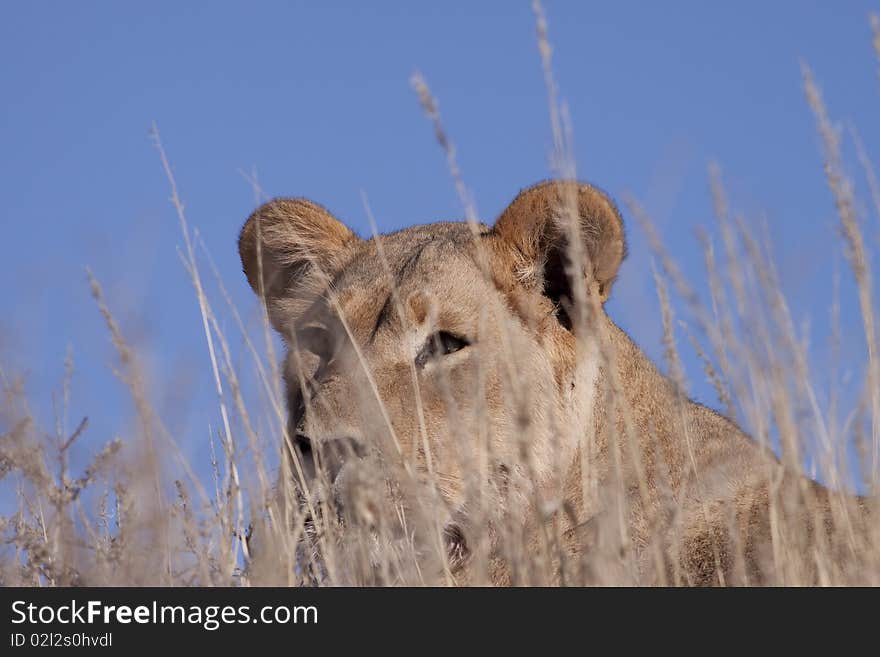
x,y
316,98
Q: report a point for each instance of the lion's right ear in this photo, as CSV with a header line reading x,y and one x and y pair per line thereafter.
x,y
535,228
288,244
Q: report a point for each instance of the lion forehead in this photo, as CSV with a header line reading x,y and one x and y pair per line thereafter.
x,y
413,256
426,268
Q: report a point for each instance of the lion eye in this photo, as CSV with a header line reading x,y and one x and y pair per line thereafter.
x,y
440,344
319,341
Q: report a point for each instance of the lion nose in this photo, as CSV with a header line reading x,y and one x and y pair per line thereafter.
x,y
330,454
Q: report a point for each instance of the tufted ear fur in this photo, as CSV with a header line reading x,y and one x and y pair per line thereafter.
x,y
534,227
287,245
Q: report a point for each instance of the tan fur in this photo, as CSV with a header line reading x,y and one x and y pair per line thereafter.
x,y
562,403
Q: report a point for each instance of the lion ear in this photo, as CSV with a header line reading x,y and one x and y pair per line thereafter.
x,y
288,242
535,227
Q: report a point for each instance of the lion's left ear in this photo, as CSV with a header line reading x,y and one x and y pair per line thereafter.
x,y
285,244
534,227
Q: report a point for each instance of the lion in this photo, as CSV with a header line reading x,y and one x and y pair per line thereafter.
x,y
463,383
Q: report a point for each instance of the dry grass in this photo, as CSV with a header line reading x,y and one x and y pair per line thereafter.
x,y
141,515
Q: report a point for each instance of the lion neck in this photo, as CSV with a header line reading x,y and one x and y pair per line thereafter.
x,y
644,435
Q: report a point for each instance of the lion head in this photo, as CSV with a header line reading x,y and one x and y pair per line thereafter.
x,y
453,365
